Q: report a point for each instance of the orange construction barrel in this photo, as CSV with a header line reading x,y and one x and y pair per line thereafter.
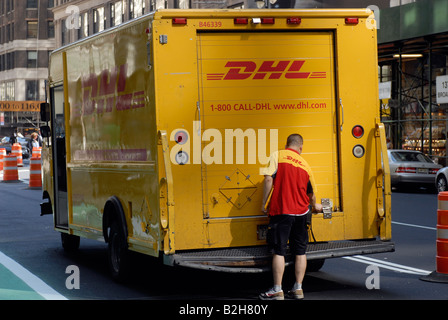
x,y
35,173
2,155
16,150
441,273
36,152
10,172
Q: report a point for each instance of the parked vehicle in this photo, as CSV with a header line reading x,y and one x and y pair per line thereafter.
x,y
411,168
441,180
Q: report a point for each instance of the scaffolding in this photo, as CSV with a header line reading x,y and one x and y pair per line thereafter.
x,y
414,120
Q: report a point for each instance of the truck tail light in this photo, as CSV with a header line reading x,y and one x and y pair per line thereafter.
x,y
351,20
294,20
241,21
267,20
358,132
179,20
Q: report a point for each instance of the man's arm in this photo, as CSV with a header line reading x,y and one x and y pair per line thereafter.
x,y
316,207
267,186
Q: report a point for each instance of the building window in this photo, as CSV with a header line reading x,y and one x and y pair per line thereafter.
x,y
85,24
31,59
3,91
50,4
31,4
64,32
137,8
159,4
10,63
116,13
32,90
50,29
10,94
98,20
185,4
31,29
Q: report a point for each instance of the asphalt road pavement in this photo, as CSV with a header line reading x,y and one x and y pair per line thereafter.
x,y
34,266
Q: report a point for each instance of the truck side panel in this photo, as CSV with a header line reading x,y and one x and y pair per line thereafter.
x,y
113,136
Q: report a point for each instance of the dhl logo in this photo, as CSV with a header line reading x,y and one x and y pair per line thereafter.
x,y
296,161
289,69
106,92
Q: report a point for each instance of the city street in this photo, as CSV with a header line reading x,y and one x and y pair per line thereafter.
x,y
33,264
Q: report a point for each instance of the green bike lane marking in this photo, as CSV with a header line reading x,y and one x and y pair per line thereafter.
x,y
13,288
17,283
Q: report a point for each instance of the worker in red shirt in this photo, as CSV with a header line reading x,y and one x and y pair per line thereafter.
x,y
290,189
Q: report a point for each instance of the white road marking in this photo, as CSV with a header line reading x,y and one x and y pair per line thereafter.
x,y
30,279
413,225
388,265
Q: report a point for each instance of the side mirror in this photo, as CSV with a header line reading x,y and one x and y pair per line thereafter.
x,y
45,111
45,131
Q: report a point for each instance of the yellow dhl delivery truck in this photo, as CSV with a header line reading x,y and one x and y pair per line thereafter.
x,y
157,130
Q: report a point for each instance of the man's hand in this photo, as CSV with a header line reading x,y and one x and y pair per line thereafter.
x,y
263,209
318,207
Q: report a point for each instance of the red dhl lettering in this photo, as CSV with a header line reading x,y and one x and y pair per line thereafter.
x,y
106,92
289,158
289,69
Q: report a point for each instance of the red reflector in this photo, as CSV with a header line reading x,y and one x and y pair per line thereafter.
x,y
181,137
267,20
358,131
294,20
179,20
241,21
406,170
351,20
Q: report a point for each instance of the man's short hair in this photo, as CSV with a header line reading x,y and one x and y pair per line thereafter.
x,y
294,139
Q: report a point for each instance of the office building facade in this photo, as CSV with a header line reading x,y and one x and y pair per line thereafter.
x,y
27,36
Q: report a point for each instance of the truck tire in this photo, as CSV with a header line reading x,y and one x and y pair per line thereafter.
x,y
70,243
117,253
315,265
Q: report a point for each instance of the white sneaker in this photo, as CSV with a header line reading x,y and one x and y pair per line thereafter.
x,y
272,295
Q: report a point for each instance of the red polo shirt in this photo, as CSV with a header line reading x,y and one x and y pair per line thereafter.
x,y
293,180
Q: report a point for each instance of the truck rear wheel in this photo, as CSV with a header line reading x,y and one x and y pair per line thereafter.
x,y
117,253
70,242
315,265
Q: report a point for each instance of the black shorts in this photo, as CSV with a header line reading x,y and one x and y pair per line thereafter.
x,y
288,227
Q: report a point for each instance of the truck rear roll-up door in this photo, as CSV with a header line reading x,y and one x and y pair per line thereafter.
x,y
257,88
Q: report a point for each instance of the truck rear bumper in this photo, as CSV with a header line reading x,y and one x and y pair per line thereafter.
x,y
258,259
